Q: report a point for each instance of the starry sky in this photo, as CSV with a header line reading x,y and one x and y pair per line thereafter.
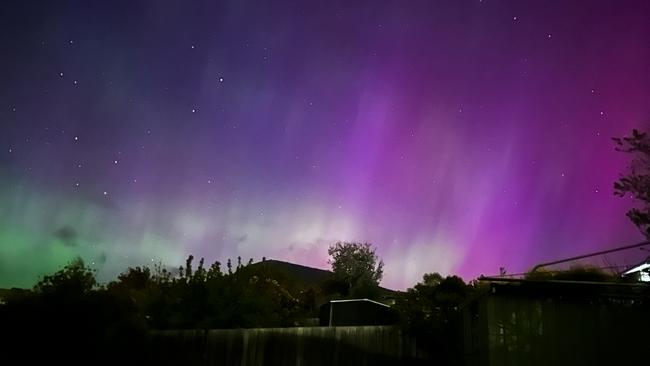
x,y
456,136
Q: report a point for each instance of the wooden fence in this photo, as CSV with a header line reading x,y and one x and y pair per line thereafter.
x,y
302,346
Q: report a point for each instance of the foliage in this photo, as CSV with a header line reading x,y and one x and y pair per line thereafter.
x,y
430,303
247,295
431,311
67,313
74,279
636,182
357,269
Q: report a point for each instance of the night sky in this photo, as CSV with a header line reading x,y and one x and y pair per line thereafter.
x,y
456,136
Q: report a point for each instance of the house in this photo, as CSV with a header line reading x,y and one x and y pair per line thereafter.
x,y
639,272
356,312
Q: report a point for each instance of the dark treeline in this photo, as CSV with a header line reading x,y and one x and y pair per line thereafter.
x,y
68,316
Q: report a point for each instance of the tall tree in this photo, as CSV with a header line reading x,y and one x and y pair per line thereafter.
x,y
636,181
74,279
431,311
357,265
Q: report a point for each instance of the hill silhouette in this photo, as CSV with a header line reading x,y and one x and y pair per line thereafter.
x,y
304,275
307,276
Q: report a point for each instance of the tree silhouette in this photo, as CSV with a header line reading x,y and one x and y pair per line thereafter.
x,y
431,311
74,279
636,182
357,266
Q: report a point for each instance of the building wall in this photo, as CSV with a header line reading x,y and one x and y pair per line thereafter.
x,y
523,330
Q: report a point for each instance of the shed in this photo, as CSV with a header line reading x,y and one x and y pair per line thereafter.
x,y
356,312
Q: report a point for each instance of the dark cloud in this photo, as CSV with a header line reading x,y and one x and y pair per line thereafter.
x,y
241,239
67,234
102,258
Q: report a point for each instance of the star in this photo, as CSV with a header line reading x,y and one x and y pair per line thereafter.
x,y
193,110
221,80
60,74
76,138
105,193
115,161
